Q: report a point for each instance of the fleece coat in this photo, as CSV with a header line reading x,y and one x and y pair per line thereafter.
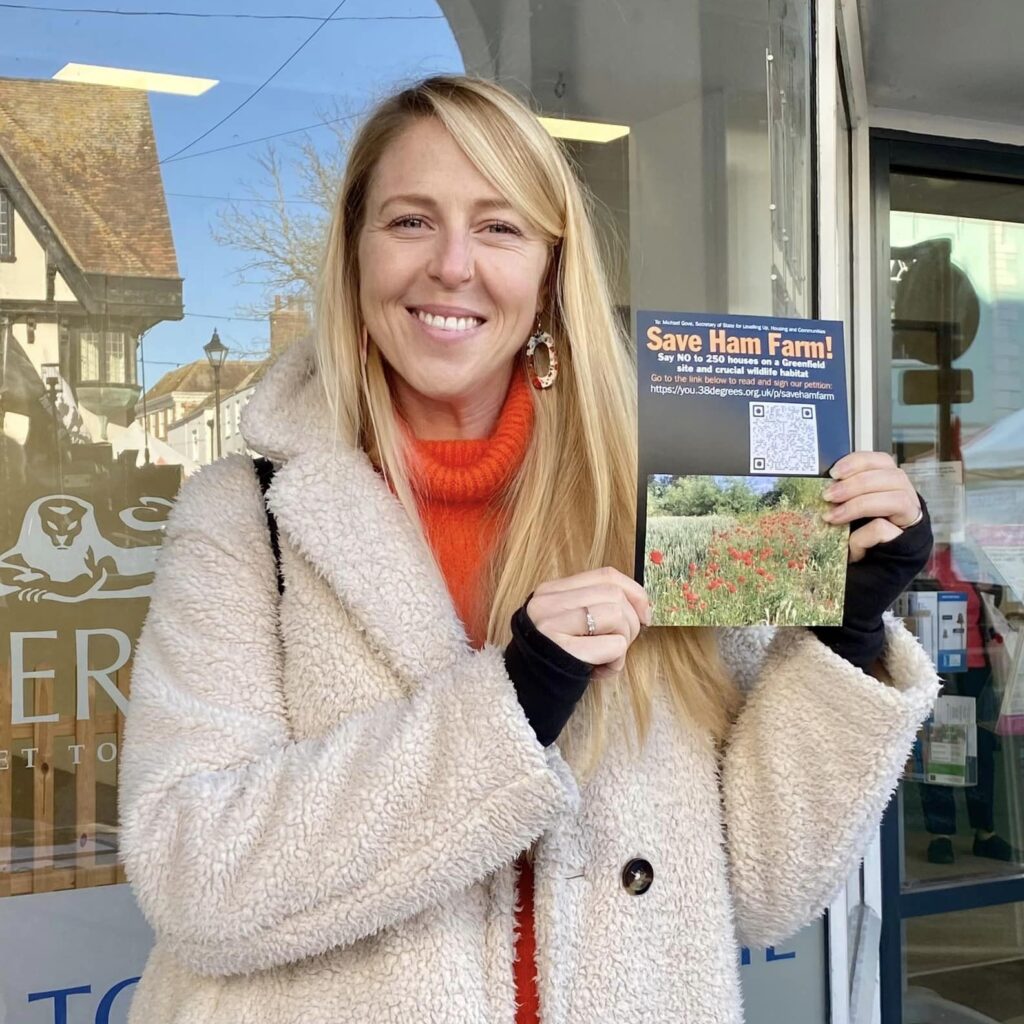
x,y
322,801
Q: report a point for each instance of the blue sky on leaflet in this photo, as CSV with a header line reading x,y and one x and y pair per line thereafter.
x,y
348,64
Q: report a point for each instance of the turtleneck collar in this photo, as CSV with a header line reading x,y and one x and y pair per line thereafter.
x,y
469,471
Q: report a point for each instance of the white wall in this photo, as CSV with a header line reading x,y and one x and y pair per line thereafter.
x,y
666,201
61,291
748,194
45,348
25,278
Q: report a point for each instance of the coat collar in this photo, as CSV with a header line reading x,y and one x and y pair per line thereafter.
x,y
337,511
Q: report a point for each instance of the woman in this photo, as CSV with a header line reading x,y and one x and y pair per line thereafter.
x,y
327,800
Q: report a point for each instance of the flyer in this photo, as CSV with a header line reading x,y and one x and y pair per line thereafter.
x,y
951,742
740,419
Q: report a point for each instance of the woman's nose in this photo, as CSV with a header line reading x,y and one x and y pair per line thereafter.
x,y
451,262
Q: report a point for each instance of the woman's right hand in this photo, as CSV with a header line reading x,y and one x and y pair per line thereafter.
x,y
617,604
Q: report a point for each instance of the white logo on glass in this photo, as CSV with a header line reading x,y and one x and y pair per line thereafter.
x,y
61,555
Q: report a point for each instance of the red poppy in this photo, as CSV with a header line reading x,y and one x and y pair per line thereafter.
x,y
657,557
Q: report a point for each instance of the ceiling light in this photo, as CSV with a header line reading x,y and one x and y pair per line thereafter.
x,y
125,78
583,131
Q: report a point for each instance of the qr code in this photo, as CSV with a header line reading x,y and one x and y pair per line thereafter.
x,y
783,438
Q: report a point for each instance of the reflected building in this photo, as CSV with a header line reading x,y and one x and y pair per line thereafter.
x,y
88,260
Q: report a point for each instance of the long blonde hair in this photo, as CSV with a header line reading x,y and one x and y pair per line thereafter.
x,y
572,506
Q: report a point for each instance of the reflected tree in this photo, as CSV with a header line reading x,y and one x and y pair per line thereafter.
x,y
282,227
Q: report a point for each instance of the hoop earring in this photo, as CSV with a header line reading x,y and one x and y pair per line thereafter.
x,y
541,337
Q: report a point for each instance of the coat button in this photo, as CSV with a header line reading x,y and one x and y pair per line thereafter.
x,y
637,876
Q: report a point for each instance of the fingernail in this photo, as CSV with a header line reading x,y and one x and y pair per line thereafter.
x,y
650,616
828,515
834,473
828,493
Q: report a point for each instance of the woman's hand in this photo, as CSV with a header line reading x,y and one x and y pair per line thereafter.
x,y
617,606
869,485
890,541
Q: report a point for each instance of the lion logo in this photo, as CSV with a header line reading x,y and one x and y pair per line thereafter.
x,y
61,554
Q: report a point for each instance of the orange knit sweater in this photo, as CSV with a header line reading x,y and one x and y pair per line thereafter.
x,y
456,483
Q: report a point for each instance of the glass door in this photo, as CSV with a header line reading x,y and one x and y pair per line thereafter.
x,y
950,290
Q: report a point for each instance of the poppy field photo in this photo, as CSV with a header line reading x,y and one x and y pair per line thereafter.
x,y
737,550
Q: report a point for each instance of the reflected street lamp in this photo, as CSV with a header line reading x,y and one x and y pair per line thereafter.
x,y
50,373
216,354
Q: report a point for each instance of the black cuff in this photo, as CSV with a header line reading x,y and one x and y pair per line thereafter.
x,y
872,585
860,647
548,680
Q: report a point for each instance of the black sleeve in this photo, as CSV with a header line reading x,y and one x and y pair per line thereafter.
x,y
872,585
548,680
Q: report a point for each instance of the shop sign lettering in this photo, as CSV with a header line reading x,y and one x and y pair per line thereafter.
x,y
61,996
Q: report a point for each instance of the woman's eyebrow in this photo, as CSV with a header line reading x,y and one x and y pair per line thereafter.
x,y
418,199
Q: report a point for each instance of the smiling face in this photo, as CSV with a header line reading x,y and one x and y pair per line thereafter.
x,y
450,282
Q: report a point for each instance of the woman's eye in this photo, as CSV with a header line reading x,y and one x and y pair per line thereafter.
x,y
504,228
409,221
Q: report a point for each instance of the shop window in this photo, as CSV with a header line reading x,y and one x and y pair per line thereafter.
x,y
703,201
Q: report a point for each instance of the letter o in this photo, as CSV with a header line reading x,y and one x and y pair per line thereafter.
x,y
99,752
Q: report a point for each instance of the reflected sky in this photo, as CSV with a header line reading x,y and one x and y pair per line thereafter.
x,y
371,46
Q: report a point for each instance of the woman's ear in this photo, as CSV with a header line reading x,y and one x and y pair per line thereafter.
x,y
549,283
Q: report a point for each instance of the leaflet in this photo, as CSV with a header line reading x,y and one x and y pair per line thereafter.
x,y
740,419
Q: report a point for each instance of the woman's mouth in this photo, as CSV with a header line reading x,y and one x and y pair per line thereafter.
x,y
446,327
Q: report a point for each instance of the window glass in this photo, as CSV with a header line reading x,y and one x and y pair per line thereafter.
x,y
116,369
151,218
957,295
965,966
89,347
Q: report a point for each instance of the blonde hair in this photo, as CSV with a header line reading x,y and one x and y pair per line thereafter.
x,y
578,478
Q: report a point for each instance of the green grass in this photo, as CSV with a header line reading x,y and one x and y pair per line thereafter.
x,y
777,567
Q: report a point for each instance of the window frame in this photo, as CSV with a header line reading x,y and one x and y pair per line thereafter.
x,y
104,345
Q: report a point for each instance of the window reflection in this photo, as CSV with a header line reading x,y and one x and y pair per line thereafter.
x,y
957,277
134,222
965,966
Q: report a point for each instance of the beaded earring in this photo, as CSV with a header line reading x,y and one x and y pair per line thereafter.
x,y
538,338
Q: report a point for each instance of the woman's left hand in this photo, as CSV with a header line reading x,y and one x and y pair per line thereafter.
x,y
870,486
890,541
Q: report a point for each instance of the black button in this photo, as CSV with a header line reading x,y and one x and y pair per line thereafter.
x,y
637,876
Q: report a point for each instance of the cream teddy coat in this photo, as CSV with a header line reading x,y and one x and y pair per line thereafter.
x,y
322,804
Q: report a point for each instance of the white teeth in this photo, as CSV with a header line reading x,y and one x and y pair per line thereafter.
x,y
450,323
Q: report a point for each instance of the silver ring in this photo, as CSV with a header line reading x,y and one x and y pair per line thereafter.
x,y
591,624
920,516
